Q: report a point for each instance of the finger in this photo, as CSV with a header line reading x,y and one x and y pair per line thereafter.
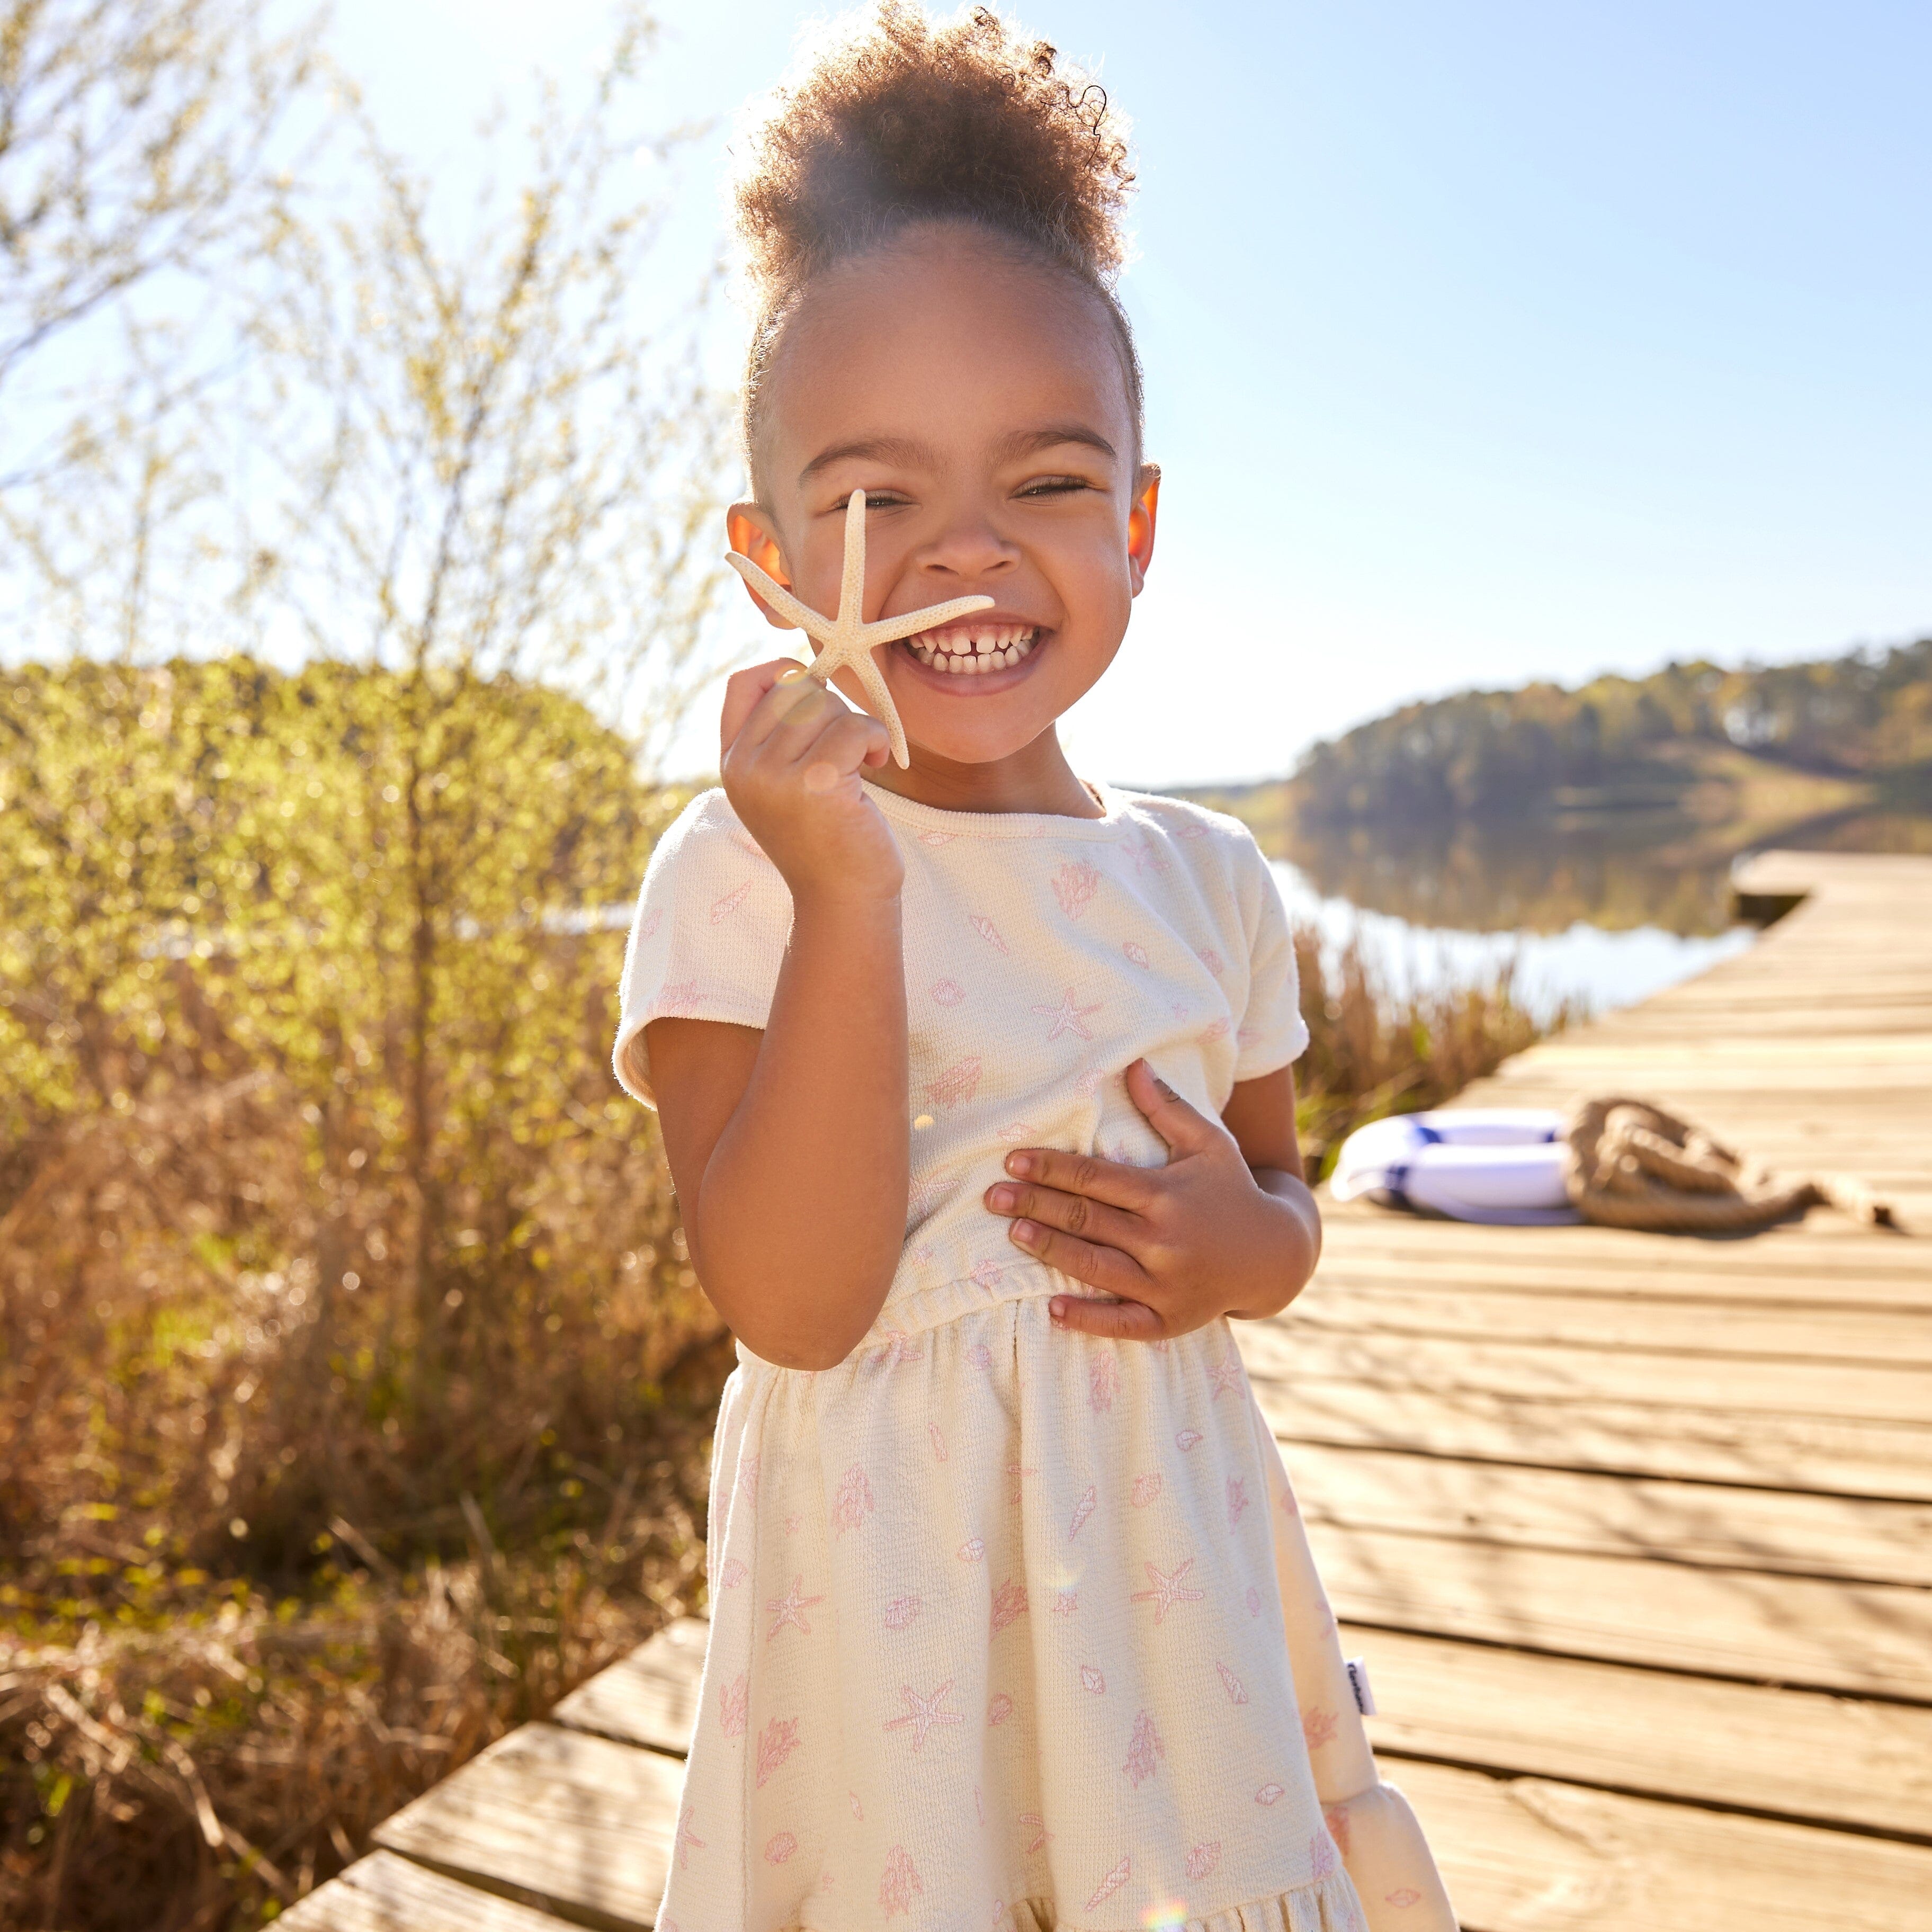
x,y
1071,1214
1112,1181
836,754
1093,1262
744,691
1185,1128
1121,1321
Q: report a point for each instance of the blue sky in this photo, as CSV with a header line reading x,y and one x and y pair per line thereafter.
x,y
1484,341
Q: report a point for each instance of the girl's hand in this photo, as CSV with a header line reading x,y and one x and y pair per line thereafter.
x,y
792,751
1183,1245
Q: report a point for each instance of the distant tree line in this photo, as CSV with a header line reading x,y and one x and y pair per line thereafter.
x,y
1631,743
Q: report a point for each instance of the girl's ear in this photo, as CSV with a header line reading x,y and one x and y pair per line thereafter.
x,y
748,530
1141,520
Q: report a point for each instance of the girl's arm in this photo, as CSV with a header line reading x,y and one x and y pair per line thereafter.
x,y
788,1147
1227,1227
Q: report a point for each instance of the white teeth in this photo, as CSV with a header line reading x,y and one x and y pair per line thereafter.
x,y
974,653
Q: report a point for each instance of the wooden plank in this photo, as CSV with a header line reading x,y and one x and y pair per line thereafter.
x,y
383,1893
1712,1525
1790,1753
1872,1638
649,1698
554,1818
1796,1454
1531,1855
1295,1352
1684,1326
1345,1264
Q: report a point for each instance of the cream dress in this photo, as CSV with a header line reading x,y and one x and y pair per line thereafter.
x,y
1014,1628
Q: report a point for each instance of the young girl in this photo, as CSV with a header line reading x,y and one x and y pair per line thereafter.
x,y
975,1082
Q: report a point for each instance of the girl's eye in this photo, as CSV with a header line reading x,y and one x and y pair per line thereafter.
x,y
1056,486
875,500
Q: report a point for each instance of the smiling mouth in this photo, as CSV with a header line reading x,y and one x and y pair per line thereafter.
x,y
970,650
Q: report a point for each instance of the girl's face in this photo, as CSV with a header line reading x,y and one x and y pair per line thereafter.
x,y
980,404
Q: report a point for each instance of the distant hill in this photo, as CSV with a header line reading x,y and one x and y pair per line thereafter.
x,y
1541,804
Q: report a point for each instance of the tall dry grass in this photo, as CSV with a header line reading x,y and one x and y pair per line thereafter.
x,y
327,1456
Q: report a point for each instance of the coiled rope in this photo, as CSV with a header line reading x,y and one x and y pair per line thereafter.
x,y
1632,1164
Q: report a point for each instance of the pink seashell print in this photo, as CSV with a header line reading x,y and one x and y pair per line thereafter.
x,y
900,1612
776,1742
733,1574
1269,1793
1321,1855
1238,1499
778,1847
1112,1883
1074,886
960,1081
1082,1509
1319,1727
985,1274
1286,1499
1192,829
858,1809
980,1356
1212,960
1019,1473
852,1503
1009,1605
1102,1379
721,909
1066,1603
1336,1817
1402,1897
1016,1130
1254,1601
1146,1490
734,1705
1215,1030
936,1437
679,998
648,925
1147,857
999,1708
987,931
938,838
686,1840
1090,1679
1137,954
1037,1825
947,992
1144,1752
1202,1860
899,1347
1188,1438
1237,1691
900,1884
748,1480
1247,1036
973,1550
745,843
792,1524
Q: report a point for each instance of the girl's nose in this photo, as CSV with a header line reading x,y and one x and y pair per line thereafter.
x,y
968,548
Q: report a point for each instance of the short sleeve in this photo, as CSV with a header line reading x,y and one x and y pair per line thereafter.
x,y
1272,1033
708,935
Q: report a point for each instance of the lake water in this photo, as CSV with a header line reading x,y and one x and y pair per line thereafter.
x,y
1583,964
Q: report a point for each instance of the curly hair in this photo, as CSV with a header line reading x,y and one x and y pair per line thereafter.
x,y
911,122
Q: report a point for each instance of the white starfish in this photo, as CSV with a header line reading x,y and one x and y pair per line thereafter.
x,y
848,639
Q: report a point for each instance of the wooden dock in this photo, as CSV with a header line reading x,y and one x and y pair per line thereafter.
x,y
1634,1531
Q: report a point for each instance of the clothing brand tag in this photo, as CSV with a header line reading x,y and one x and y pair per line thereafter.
x,y
1358,1682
